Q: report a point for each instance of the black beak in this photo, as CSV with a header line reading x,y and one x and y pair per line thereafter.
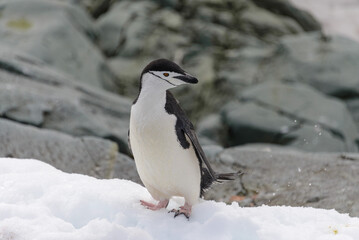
x,y
187,79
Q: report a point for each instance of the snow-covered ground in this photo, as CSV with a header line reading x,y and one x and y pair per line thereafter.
x,y
38,201
337,16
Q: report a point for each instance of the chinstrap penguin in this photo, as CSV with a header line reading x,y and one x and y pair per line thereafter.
x,y
168,156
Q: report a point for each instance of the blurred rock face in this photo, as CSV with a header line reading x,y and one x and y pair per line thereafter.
x,y
201,35
275,176
267,74
57,34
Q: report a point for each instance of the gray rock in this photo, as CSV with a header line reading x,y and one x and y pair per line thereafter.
x,y
290,114
314,138
329,65
86,155
52,101
222,17
202,66
207,34
130,78
243,65
274,176
124,28
169,19
94,7
212,151
125,168
133,36
353,106
250,123
306,104
168,3
263,23
285,8
211,127
36,26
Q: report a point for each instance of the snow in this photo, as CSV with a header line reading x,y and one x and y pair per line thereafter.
x,y
38,202
336,16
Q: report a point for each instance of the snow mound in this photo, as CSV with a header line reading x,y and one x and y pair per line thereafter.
x,y
38,202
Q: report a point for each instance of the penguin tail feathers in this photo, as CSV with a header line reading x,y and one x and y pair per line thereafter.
x,y
222,177
207,179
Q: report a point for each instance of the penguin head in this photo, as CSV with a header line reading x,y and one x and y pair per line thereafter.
x,y
164,74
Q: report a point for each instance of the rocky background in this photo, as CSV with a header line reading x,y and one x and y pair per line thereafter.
x,y
277,97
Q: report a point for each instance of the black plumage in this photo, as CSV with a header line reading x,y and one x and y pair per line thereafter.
x,y
163,65
184,129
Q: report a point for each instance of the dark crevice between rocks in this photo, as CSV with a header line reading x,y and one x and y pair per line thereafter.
x,y
4,116
122,147
13,69
284,8
315,199
123,39
244,191
346,94
91,34
101,9
347,157
18,71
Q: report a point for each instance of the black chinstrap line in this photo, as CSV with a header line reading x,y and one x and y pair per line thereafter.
x,y
163,79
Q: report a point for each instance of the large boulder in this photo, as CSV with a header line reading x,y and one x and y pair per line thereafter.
x,y
288,114
34,94
86,155
287,9
263,23
304,104
276,176
328,64
131,29
57,33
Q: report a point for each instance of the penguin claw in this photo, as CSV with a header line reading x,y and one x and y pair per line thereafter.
x,y
184,210
179,212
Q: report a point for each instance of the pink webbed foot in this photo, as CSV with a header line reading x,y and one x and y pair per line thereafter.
x,y
154,207
186,210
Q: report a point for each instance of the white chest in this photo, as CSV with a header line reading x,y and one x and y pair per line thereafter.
x,y
161,162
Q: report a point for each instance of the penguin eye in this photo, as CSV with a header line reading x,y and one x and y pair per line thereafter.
x,y
166,74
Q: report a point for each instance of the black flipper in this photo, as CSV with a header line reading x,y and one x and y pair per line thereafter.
x,y
185,130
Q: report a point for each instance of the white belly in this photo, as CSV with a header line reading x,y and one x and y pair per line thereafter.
x,y
165,168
